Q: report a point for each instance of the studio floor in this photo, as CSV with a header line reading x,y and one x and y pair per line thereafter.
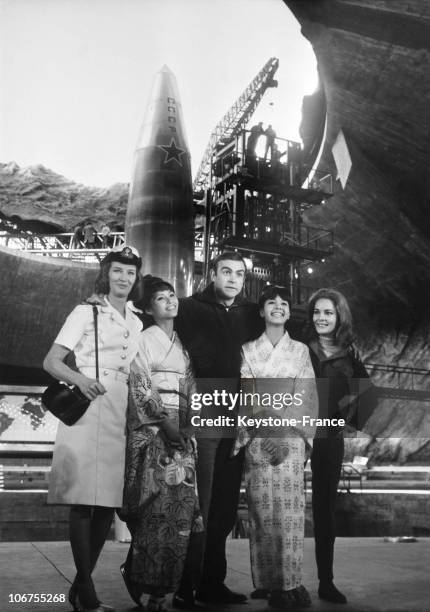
x,y
375,575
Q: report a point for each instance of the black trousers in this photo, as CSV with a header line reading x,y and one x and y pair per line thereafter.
x,y
326,463
218,480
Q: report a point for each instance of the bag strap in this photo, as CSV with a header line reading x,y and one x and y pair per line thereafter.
x,y
96,339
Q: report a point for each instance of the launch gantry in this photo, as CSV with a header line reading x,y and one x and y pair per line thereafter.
x,y
255,204
235,120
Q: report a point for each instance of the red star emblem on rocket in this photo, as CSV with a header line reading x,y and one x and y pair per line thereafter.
x,y
172,152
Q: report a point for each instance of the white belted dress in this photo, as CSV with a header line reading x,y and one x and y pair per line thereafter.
x,y
89,456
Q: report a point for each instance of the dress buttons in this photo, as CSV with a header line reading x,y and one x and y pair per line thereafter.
x,y
124,347
105,372
123,356
121,368
126,335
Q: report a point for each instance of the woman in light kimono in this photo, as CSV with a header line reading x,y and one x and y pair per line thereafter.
x,y
275,457
160,499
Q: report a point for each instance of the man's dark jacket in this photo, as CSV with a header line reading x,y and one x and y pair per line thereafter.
x,y
213,334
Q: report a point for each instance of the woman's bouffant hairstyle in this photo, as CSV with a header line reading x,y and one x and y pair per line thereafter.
x,y
270,292
152,284
344,334
102,282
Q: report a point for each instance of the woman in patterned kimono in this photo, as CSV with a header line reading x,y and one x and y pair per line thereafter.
x,y
275,457
160,499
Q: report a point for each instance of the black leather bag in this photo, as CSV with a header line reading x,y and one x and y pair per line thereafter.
x,y
67,402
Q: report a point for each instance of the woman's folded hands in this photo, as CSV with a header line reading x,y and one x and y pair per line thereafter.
x,y
276,449
175,438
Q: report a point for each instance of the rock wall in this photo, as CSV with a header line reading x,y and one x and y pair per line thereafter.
x,y
373,60
38,194
37,295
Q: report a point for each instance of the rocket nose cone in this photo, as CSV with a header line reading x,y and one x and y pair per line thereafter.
x,y
163,117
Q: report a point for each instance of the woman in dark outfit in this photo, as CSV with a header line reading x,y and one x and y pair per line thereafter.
x,y
340,374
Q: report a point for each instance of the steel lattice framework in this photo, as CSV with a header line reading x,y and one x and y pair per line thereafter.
x,y
235,119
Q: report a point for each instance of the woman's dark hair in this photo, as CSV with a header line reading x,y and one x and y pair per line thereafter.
x,y
152,284
102,282
270,292
344,335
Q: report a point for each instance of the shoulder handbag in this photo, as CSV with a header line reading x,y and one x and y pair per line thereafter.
x,y
67,402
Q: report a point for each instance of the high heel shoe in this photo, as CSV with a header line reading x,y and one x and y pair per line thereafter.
x,y
260,594
73,594
105,607
78,607
183,600
329,592
156,604
131,586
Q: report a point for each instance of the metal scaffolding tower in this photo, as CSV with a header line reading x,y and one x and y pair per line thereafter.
x,y
236,119
254,205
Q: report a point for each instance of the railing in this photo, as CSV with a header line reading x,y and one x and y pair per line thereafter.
x,y
404,382
318,181
66,245
235,157
308,237
281,162
268,221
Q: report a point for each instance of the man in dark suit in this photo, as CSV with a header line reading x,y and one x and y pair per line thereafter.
x,y
213,325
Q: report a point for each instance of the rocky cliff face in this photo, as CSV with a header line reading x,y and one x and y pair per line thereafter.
x,y
373,59
42,200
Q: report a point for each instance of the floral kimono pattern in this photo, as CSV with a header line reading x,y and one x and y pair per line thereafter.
x,y
160,500
276,501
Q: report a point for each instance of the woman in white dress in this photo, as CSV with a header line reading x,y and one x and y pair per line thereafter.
x,y
275,454
88,465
